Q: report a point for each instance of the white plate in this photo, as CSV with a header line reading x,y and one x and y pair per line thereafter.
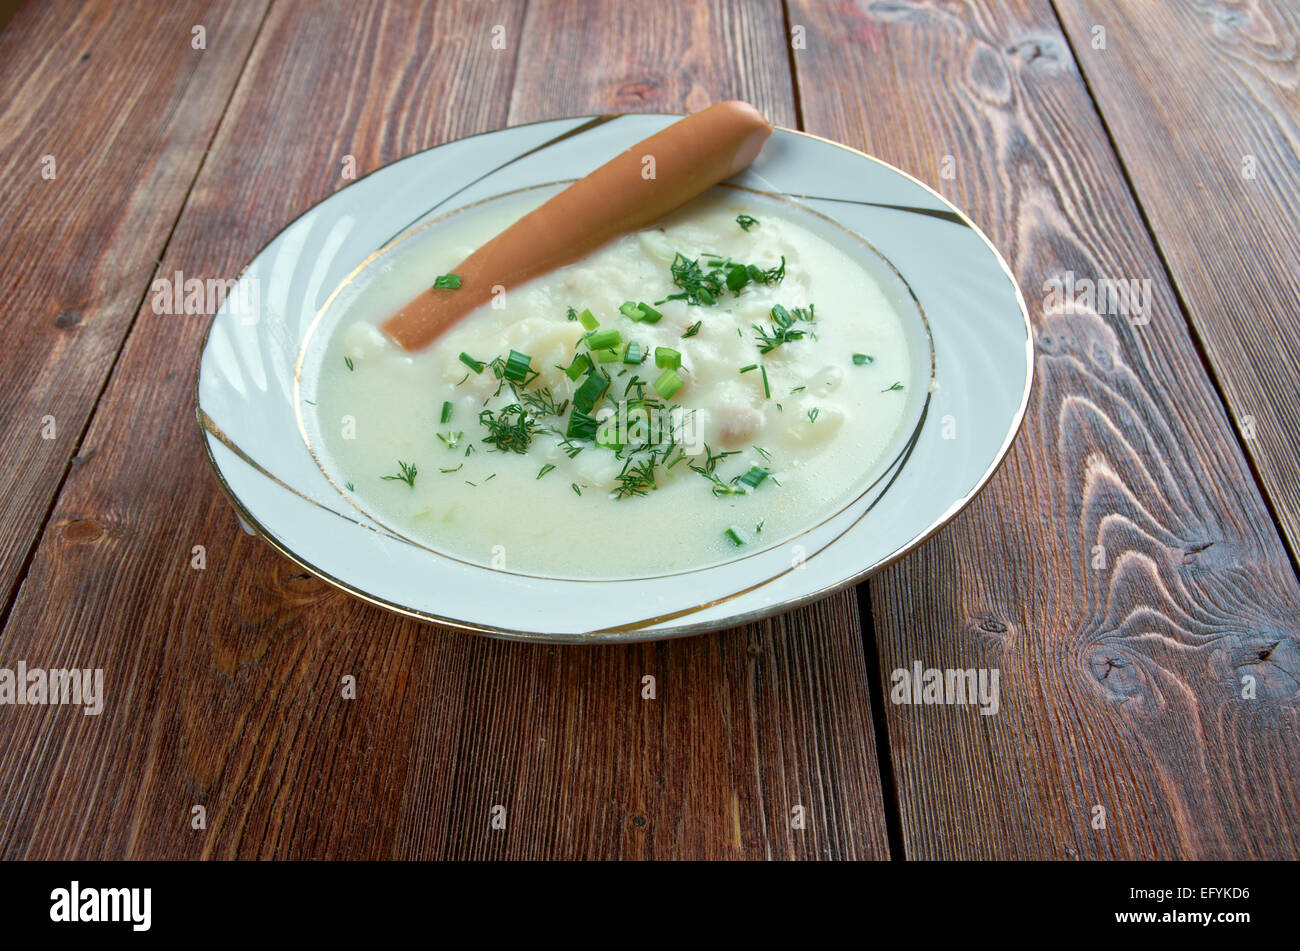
x,y
932,260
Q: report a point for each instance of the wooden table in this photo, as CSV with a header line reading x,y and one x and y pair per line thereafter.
x,y
1131,570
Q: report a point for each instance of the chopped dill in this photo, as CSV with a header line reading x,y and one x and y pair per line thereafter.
x,y
542,403
407,474
509,429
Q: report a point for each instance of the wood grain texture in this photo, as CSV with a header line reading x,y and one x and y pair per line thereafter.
x,y
1209,133
1121,684
114,102
224,683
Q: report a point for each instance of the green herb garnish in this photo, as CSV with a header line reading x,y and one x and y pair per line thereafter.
x,y
542,403
447,282
348,361
889,389
580,365
668,383
604,339
666,358
593,387
446,411
518,368
475,365
746,222
407,474
753,478
509,429
862,359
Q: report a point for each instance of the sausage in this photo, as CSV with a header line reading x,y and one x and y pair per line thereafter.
x,y
689,156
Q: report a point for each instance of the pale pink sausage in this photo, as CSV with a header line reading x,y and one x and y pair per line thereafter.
x,y
690,156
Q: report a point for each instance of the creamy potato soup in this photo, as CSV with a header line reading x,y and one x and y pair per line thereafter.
x,y
687,394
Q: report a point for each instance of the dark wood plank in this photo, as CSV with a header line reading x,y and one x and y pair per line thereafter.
x,y
126,133
1208,133
1121,685
223,683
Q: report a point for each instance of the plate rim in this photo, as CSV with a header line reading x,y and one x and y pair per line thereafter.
x,y
635,632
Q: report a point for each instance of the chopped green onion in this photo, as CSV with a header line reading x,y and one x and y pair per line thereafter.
x,y
446,412
781,316
667,358
593,387
639,311
737,277
668,383
475,365
649,315
862,359
767,390
447,282
518,367
581,426
604,339
633,353
588,319
735,536
580,365
754,477
752,366
606,356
